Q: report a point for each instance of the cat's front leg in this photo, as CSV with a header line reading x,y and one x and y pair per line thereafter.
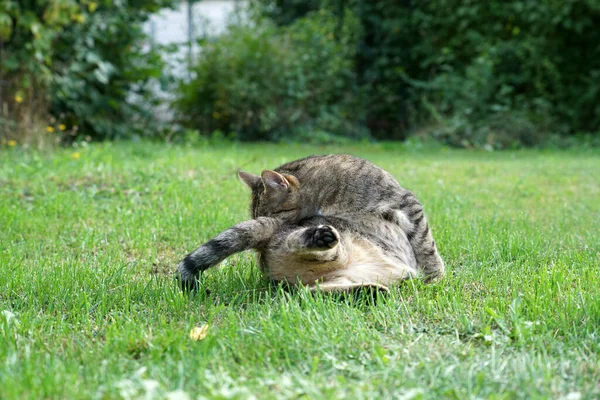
x,y
252,234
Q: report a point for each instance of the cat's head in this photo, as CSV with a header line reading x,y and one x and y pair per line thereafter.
x,y
273,194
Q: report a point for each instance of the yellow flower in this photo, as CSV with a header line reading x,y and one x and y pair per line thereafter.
x,y
78,18
76,156
12,143
18,99
62,127
92,6
198,332
49,129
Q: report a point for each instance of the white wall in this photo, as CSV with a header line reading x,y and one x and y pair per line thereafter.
x,y
170,26
210,17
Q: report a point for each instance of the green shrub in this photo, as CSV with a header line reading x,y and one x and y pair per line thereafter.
x,y
509,72
261,82
74,64
503,71
99,64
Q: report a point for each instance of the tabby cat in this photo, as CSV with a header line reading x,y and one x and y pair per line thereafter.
x,y
333,222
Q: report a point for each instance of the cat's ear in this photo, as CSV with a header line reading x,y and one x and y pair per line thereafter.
x,y
292,180
249,179
273,180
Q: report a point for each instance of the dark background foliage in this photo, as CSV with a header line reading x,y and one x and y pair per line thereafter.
x,y
494,74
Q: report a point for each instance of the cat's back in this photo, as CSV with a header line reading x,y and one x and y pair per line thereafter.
x,y
317,162
342,180
342,168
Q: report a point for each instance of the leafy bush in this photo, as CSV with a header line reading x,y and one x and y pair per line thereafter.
x,y
489,73
27,31
509,72
98,65
262,82
74,63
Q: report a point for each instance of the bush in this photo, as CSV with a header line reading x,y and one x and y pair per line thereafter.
x,y
99,64
73,64
262,82
508,72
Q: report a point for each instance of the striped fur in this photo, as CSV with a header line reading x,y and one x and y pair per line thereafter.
x,y
332,222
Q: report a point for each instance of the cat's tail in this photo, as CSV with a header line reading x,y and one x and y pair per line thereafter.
x,y
421,240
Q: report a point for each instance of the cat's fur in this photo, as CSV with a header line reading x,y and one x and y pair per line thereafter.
x,y
332,222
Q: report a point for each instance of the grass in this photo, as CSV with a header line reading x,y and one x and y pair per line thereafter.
x,y
88,308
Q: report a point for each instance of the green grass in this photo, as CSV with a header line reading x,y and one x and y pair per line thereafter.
x,y
88,308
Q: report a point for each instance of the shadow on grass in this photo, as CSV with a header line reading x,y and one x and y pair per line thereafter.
x,y
259,290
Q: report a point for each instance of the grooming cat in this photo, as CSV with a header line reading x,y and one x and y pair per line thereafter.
x,y
333,222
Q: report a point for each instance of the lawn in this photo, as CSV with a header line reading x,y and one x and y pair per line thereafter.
x,y
89,240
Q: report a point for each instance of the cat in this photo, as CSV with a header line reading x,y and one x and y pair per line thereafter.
x,y
333,222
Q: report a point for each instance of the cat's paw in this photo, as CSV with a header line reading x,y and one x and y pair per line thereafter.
x,y
321,237
187,285
187,280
